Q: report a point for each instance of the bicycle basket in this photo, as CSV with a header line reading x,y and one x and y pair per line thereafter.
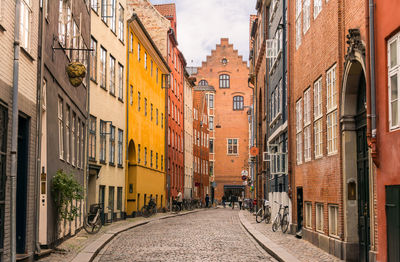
x,y
94,207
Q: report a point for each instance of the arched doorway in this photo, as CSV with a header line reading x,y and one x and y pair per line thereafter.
x,y
131,178
356,157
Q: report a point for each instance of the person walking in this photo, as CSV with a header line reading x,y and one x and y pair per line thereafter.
x,y
179,199
223,200
207,200
233,201
240,200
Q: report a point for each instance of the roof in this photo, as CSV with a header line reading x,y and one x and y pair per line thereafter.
x,y
204,88
166,9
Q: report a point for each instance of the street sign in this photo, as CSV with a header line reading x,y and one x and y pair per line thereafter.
x,y
245,183
254,151
244,178
245,173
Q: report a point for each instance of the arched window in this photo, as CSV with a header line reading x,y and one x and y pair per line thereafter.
x,y
224,81
203,83
238,103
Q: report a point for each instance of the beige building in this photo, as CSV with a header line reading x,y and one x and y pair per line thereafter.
x,y
188,136
107,134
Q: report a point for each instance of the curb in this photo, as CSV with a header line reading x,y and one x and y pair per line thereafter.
x,y
90,252
268,245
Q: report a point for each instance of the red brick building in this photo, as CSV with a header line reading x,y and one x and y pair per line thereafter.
x,y
331,168
177,63
200,143
387,72
225,70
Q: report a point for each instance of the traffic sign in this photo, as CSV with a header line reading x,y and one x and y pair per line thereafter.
x,y
254,151
245,173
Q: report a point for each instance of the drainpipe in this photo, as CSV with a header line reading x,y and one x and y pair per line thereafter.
x,y
87,128
372,68
39,124
14,133
127,122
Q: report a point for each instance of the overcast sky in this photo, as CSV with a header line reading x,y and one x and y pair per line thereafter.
x,y
201,24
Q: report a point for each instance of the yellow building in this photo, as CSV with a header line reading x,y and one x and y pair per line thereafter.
x,y
145,176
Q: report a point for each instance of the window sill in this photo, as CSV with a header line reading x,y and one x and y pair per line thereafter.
x,y
318,157
121,100
26,52
112,94
328,111
2,29
104,88
111,164
103,162
120,166
275,119
333,153
94,80
92,160
122,41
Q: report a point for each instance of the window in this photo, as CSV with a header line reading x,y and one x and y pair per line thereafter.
x,y
121,23
307,107
211,123
331,121
145,106
298,131
238,103
138,153
203,83
83,145
162,162
119,198
131,43
113,16
331,103
318,99
151,158
120,81
92,138
162,120
306,15
317,7
333,219
25,23
138,51
151,112
78,142
145,60
138,101
156,160
308,214
393,81
318,138
93,59
95,5
120,147
112,144
103,63
64,23
104,10
211,145
224,81
112,75
103,131
319,216
298,23
156,116
145,155
73,139
60,129
67,133
307,143
233,145
111,199
211,101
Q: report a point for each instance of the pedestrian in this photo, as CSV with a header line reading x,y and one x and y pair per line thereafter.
x,y
179,199
240,200
207,200
223,200
233,201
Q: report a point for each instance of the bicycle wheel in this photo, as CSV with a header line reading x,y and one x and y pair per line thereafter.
x,y
145,212
259,216
267,217
275,224
175,208
92,228
285,224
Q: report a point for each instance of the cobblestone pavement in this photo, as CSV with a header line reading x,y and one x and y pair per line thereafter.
x,y
212,235
303,250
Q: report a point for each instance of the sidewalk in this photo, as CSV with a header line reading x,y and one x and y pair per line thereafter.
x,y
286,246
84,247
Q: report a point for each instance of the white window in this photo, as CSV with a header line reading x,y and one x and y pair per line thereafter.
x,y
138,51
145,60
233,145
299,140
26,13
308,214
307,107
104,11
306,15
211,123
67,133
393,81
112,75
307,143
318,99
331,122
73,139
64,23
318,138
103,67
331,103
121,23
317,7
60,129
78,144
319,216
299,148
120,81
113,16
298,23
299,116
333,220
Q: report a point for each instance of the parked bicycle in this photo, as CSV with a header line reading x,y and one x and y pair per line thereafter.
x,y
175,206
281,220
149,209
92,221
264,213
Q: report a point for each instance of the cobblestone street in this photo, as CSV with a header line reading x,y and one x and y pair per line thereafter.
x,y
212,235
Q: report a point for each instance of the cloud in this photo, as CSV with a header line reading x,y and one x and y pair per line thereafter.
x,y
201,24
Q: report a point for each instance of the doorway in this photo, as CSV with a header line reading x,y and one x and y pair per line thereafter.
x,y
22,182
393,222
299,208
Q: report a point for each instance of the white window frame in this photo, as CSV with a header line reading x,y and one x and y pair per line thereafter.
x,y
67,133
331,90
318,152
112,75
331,134
299,139
121,27
113,16
308,214
319,217
317,8
307,143
60,128
318,99
307,107
298,23
25,26
393,70
232,144
333,215
306,15
103,67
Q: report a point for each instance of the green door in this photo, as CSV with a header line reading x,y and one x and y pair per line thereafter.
x,y
393,222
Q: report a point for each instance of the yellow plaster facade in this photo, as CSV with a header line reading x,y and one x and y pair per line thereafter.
x,y
145,176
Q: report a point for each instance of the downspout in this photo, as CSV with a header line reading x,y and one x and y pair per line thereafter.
x,y
14,133
39,125
284,81
87,127
372,69
127,120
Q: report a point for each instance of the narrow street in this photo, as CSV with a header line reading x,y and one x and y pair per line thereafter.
x,y
212,235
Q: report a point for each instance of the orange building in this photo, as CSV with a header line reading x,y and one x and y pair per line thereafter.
x,y
228,122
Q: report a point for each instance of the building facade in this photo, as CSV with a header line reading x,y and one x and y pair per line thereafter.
x,y
107,132
25,31
387,179
188,136
147,80
64,110
332,171
226,70
201,145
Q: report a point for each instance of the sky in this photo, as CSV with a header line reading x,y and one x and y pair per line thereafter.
x,y
202,23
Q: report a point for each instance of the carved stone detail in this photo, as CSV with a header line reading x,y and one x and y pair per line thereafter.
x,y
354,44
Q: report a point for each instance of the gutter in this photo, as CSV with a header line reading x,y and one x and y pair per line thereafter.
x,y
14,132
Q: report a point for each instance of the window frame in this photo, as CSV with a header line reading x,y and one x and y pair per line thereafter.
x,y
224,81
93,60
230,143
238,103
120,147
392,71
103,141
121,27
308,214
25,31
61,128
92,135
120,82
111,139
103,67
335,215
319,217
112,75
